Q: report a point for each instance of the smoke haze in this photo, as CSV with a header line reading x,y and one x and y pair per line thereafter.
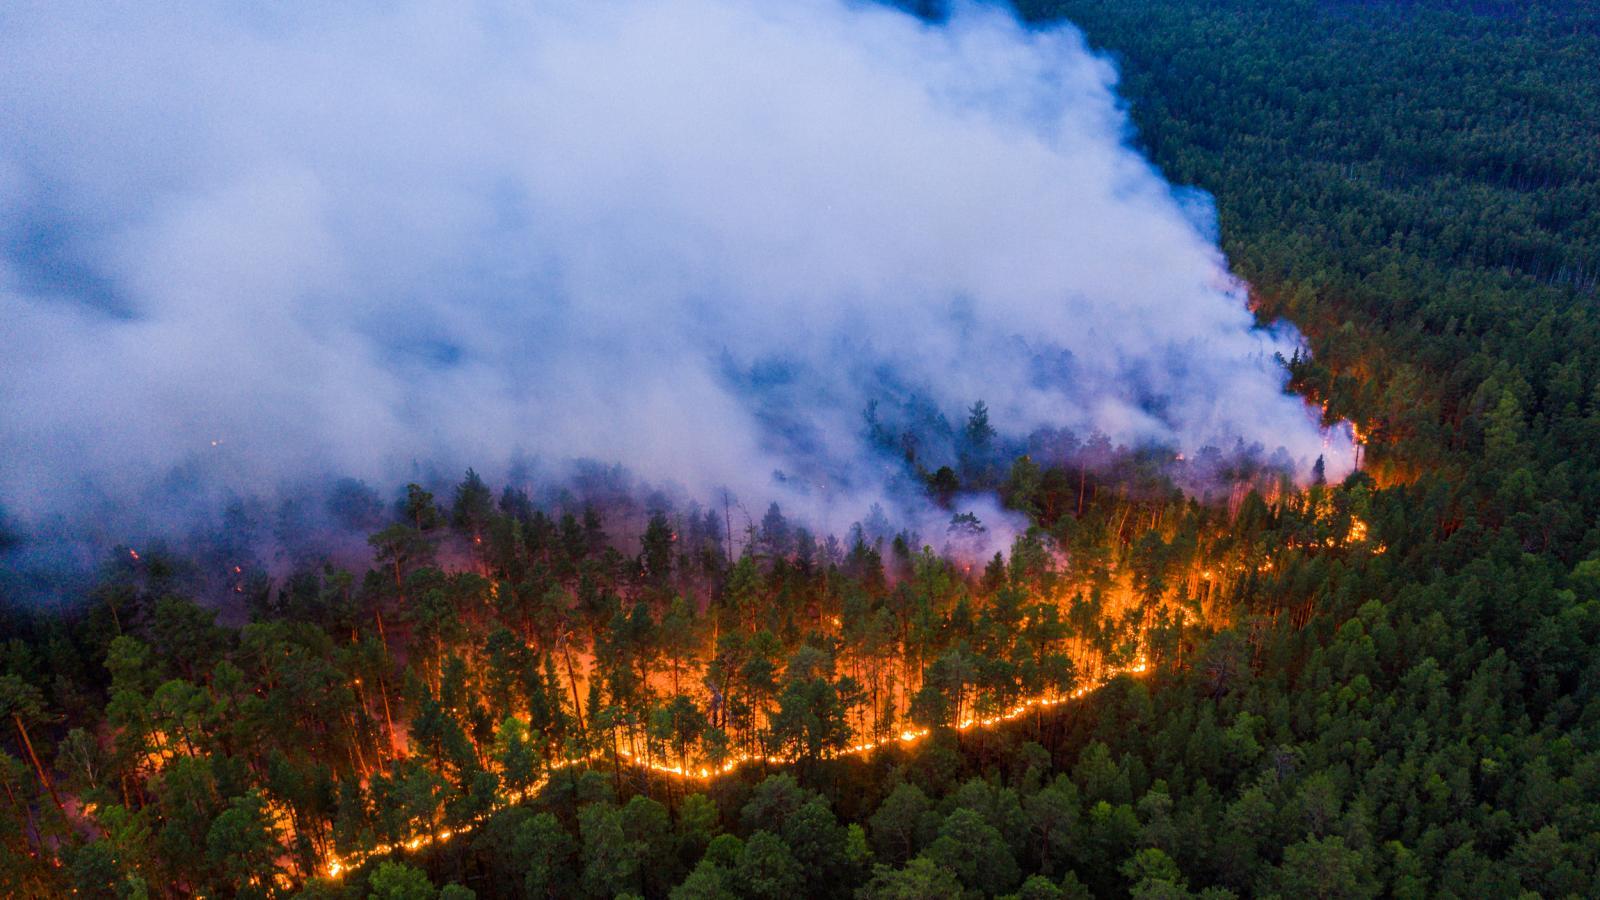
x,y
246,245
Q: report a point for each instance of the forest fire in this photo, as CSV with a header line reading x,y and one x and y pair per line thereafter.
x,y
1127,619
337,866
493,646
1263,507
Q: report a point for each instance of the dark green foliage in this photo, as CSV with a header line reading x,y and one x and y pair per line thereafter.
x,y
398,881
974,851
767,870
920,879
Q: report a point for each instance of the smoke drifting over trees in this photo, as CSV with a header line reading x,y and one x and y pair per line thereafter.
x,y
245,246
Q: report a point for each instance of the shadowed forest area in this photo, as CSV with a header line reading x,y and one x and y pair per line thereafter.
x,y
1384,686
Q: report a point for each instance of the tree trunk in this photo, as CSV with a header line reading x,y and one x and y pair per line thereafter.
x,y
394,740
44,778
572,681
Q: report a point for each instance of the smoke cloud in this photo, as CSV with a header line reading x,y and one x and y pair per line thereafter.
x,y
245,245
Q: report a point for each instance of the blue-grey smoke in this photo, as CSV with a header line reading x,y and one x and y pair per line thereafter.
x,y
247,245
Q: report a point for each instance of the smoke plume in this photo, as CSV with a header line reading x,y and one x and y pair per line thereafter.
x,y
246,245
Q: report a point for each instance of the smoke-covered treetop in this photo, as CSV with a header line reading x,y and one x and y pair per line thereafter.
x,y
698,238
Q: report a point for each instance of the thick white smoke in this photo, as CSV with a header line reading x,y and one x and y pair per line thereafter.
x,y
247,243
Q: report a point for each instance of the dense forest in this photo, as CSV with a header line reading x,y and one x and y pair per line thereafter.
x,y
1383,686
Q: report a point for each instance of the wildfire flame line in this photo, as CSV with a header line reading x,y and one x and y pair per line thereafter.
x,y
337,866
